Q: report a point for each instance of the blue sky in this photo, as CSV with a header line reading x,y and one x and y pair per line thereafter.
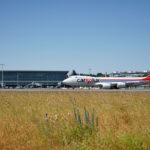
x,y
101,35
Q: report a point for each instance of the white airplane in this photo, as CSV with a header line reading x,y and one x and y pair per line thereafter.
x,y
105,82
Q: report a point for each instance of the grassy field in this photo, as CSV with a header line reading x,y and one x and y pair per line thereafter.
x,y
75,120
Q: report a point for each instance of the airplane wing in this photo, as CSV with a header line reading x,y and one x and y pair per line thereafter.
x,y
133,83
108,85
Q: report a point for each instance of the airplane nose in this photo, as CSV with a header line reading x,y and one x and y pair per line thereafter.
x,y
65,81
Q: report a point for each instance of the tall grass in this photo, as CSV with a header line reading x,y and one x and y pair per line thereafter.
x,y
90,120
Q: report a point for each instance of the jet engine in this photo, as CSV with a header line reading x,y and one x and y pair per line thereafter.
x,y
121,85
106,85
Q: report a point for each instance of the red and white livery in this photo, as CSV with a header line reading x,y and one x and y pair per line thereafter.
x,y
105,82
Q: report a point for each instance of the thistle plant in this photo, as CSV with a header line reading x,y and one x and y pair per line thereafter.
x,y
89,120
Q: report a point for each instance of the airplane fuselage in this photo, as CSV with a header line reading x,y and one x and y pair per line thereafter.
x,y
104,82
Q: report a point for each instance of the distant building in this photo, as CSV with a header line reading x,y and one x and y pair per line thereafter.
x,y
24,78
129,73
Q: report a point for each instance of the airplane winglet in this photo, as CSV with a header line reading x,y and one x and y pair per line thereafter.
x,y
147,78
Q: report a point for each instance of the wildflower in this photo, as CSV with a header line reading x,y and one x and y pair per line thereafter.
x,y
46,117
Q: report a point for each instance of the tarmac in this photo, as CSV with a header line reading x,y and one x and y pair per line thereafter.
x,y
76,90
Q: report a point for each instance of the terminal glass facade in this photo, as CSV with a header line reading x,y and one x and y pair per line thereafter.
x,y
23,78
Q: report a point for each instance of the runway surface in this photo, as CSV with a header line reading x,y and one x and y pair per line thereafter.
x,y
76,90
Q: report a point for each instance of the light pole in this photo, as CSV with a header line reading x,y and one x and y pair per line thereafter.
x,y
2,82
90,71
17,79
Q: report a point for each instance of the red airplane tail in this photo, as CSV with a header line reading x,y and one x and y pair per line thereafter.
x,y
147,78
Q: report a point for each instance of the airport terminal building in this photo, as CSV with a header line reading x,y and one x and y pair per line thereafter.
x,y
24,78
